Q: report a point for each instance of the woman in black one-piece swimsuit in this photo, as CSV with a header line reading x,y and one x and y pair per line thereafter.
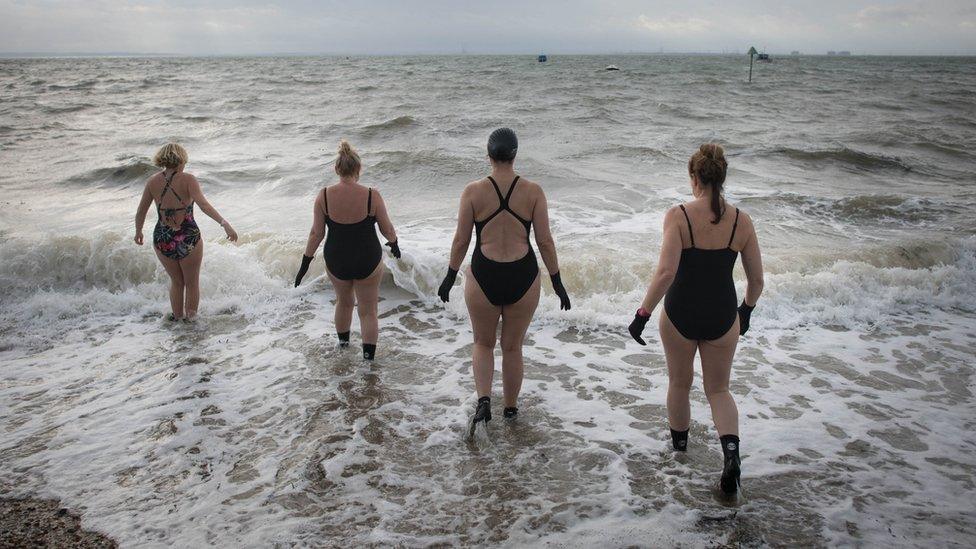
x,y
353,255
503,284
702,240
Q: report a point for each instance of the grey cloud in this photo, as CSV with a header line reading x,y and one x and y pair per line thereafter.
x,y
502,26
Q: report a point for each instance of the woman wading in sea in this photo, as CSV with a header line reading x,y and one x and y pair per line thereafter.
x,y
702,239
353,255
502,281
176,238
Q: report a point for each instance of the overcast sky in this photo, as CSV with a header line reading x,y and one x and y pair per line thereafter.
x,y
488,26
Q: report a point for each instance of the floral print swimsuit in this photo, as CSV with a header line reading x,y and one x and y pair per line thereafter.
x,y
175,237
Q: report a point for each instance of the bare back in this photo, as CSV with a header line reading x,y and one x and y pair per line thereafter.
x,y
179,189
504,237
347,202
712,236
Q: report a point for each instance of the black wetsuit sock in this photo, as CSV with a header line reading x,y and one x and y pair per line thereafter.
x,y
369,351
731,469
343,339
483,410
510,412
679,439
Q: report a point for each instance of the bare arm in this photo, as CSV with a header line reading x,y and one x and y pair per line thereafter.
x,y
462,235
667,264
752,264
383,219
141,212
317,233
543,234
196,193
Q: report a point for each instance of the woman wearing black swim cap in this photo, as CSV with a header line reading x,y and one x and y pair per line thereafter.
x,y
503,278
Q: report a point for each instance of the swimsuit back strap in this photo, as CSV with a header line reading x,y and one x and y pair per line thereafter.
x,y
510,191
501,199
369,202
690,232
325,201
734,226
167,187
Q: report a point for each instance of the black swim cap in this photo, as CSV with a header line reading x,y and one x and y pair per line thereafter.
x,y
502,145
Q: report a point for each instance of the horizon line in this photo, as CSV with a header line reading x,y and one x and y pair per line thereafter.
x,y
828,53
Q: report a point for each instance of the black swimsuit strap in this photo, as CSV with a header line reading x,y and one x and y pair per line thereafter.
x,y
690,232
325,201
511,189
734,226
369,202
501,199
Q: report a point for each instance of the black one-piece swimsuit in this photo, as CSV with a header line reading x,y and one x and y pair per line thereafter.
x,y
352,250
503,282
701,301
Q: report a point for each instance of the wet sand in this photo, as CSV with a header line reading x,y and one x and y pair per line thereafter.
x,y
30,522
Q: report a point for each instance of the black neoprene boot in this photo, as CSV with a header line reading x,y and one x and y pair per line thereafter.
x,y
481,413
731,470
679,440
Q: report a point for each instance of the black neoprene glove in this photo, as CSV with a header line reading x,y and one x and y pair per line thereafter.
x,y
394,248
745,312
557,286
636,327
306,261
445,290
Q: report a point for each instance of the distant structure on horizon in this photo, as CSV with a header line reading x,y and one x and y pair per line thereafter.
x,y
842,53
795,52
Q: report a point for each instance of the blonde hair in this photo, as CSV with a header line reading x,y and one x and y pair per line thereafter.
x,y
708,164
348,163
171,155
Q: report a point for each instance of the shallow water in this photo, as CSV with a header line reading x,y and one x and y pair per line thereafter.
x,y
854,385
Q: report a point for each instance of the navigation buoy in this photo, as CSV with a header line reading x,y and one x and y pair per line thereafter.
x,y
752,53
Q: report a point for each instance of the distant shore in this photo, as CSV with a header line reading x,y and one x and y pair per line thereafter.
x,y
778,55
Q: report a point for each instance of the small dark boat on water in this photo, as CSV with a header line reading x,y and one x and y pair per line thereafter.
x,y
611,68
764,57
543,58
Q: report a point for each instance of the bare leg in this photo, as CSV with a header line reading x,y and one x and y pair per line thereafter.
x,y
680,356
190,265
515,322
716,358
484,324
175,283
345,301
367,296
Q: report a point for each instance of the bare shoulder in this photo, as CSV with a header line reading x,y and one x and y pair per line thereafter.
x,y
532,188
153,179
673,217
745,220
529,184
473,187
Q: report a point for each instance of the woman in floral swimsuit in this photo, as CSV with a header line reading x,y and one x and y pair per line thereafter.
x,y
176,237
